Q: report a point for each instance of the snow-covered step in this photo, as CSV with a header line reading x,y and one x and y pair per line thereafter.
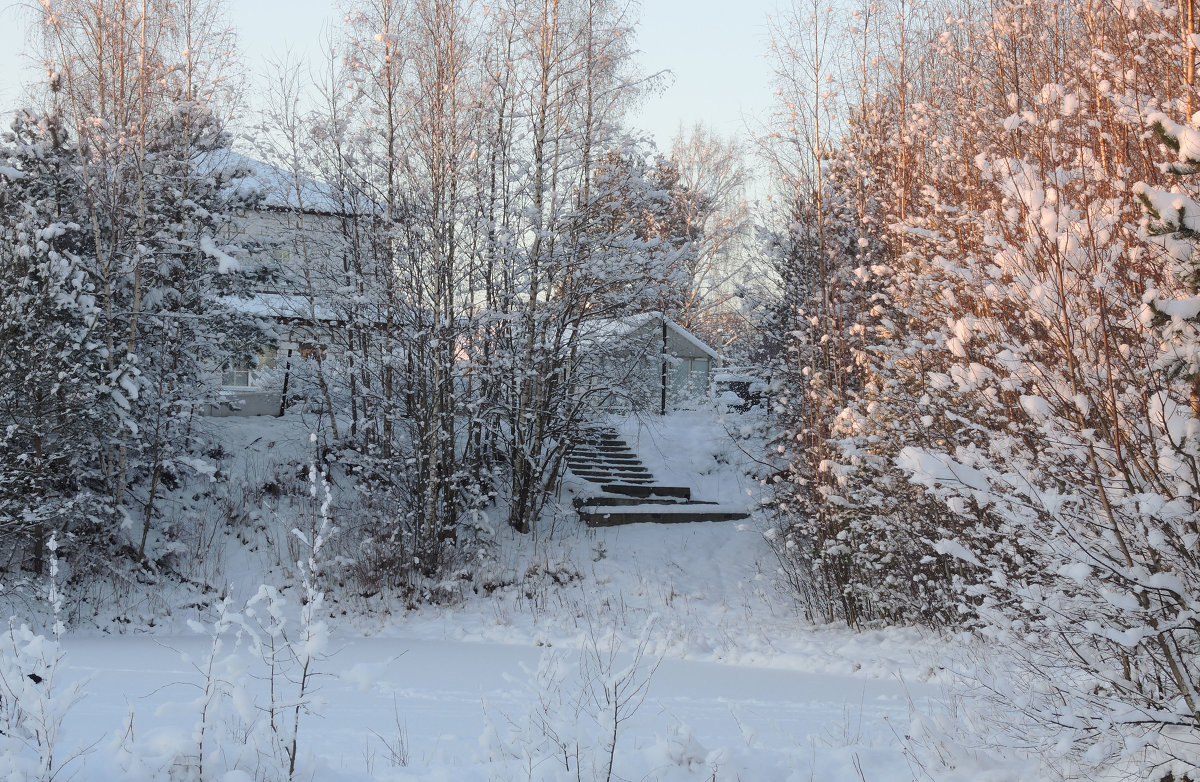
x,y
603,501
623,464
616,472
612,456
604,477
656,513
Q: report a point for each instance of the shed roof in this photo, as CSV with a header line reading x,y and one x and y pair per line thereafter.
x,y
605,328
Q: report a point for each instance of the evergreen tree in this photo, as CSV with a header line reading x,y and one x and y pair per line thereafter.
x,y
189,325
142,84
59,400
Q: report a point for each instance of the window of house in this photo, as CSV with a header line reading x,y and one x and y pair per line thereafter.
x,y
245,371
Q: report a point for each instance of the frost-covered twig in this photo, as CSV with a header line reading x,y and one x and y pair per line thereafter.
x,y
292,658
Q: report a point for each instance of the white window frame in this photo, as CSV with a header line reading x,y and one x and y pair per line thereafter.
x,y
242,376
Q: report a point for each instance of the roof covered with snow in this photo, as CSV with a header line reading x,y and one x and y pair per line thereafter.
x,y
280,306
608,328
277,187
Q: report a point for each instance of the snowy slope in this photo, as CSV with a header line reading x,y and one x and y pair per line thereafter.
x,y
731,683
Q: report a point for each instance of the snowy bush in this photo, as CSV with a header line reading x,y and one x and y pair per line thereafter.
x,y
33,704
580,709
292,654
33,700
994,392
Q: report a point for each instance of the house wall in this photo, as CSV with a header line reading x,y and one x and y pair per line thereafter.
x,y
305,254
246,402
690,373
291,362
308,249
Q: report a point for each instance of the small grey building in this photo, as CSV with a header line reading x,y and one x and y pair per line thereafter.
x,y
654,364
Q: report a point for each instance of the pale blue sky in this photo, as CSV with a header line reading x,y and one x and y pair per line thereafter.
x,y
715,48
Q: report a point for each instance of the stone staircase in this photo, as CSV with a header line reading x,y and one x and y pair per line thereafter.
x,y
626,492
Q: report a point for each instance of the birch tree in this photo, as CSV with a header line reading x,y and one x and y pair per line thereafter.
x,y
715,212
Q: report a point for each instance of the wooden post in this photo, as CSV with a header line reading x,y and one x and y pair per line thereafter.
x,y
663,408
287,371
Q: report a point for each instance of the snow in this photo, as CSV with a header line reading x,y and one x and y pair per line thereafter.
x,y
1070,104
1188,137
916,231
694,449
1174,208
956,550
226,263
737,685
761,721
1184,308
279,305
1036,407
278,188
667,509
931,468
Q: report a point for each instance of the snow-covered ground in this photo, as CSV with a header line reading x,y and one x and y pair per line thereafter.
x,y
723,680
461,708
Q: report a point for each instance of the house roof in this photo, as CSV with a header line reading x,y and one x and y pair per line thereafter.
x,y
280,306
277,187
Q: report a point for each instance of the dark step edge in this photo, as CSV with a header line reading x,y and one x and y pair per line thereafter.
x,y
583,503
617,519
616,478
648,491
605,468
629,463
601,455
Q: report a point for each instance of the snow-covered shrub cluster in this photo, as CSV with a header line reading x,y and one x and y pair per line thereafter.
x,y
992,403
257,681
34,701
576,724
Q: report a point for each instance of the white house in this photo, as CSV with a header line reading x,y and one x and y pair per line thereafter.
x,y
296,238
309,293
